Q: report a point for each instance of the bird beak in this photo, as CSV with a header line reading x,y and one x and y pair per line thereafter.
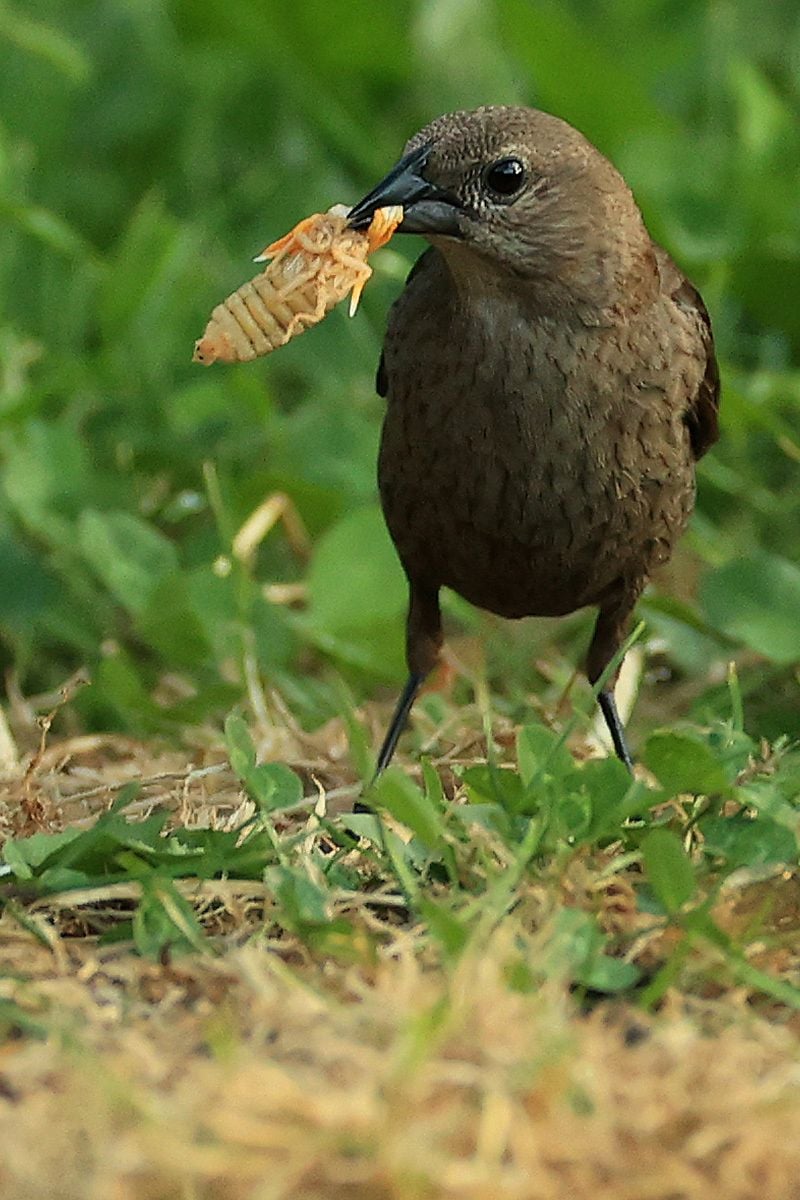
x,y
427,209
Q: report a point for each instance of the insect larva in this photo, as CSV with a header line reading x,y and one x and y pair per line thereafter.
x,y
312,268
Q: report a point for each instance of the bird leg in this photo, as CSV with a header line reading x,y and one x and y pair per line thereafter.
x,y
398,721
423,644
608,707
609,633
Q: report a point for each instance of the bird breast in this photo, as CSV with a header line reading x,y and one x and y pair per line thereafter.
x,y
527,463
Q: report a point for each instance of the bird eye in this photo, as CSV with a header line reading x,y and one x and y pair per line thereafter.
x,y
505,177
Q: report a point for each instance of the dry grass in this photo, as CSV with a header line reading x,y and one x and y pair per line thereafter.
x,y
269,1072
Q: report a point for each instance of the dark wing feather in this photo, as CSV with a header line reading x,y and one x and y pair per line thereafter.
x,y
382,378
702,414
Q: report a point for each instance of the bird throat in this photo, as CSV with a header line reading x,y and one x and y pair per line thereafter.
x,y
486,290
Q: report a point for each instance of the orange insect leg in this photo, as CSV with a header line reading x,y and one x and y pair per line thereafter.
x,y
358,288
285,242
383,225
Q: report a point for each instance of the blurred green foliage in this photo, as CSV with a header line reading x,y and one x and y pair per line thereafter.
x,y
148,149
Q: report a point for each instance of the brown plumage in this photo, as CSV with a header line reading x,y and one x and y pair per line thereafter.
x,y
550,379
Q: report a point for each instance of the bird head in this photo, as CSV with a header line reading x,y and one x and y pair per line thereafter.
x,y
514,192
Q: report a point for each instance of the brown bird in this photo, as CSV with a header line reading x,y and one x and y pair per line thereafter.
x,y
551,382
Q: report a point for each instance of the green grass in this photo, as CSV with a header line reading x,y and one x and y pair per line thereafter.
x,y
458,864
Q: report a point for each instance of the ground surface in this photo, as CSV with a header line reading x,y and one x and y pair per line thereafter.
x,y
273,1066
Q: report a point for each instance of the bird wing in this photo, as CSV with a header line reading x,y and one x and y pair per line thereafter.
x,y
382,377
702,414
